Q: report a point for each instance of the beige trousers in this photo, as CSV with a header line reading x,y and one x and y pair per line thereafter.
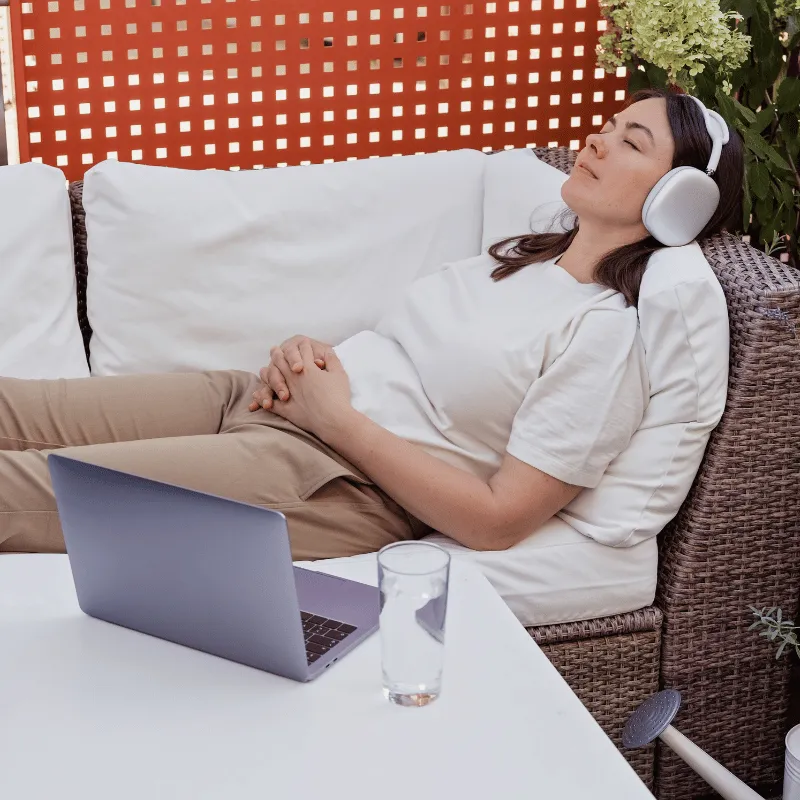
x,y
192,430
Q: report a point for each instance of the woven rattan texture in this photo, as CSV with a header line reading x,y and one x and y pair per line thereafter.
x,y
736,541
612,666
226,84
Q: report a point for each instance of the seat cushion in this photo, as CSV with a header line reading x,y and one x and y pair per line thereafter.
x,y
208,270
39,332
559,575
684,327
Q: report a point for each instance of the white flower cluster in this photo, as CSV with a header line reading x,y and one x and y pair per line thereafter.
x,y
786,8
682,37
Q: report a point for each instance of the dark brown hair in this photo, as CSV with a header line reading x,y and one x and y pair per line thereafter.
x,y
622,269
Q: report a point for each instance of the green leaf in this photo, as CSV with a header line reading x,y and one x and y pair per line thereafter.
x,y
788,99
637,80
745,111
758,176
776,158
762,119
755,142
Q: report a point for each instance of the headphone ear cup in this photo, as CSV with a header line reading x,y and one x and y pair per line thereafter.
x,y
680,205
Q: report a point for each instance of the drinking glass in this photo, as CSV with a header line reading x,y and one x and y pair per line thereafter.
x,y
413,579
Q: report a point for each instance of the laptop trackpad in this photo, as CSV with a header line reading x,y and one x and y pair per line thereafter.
x,y
337,598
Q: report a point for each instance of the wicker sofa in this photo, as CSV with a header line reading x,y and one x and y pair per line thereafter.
x,y
734,543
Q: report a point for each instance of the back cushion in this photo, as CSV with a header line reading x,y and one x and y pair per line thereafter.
x,y
684,327
39,333
207,270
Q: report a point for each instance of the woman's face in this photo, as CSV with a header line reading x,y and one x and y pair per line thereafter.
x,y
632,151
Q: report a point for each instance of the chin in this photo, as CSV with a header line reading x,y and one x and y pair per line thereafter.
x,y
571,195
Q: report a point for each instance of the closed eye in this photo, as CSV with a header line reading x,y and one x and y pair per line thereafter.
x,y
631,144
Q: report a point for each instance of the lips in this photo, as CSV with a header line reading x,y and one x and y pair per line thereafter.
x,y
584,167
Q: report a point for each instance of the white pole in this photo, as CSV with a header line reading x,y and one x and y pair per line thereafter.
x,y
725,782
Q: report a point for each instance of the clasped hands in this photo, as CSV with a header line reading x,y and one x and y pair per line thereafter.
x,y
306,384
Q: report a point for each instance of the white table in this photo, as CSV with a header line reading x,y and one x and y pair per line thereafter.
x,y
91,711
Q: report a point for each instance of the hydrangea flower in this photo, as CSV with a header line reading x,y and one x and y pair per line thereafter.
x,y
682,37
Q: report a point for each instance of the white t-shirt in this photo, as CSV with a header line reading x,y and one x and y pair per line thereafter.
x,y
542,366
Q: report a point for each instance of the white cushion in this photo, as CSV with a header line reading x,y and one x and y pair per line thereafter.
x,y
39,332
207,270
558,575
684,326
522,195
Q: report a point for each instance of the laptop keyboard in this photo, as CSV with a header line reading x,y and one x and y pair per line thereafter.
x,y
322,634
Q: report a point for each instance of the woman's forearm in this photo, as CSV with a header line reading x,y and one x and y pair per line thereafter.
x,y
446,498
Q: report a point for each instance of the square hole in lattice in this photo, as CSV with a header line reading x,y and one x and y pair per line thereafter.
x,y
397,111
576,98
327,116
577,50
210,149
597,97
86,133
281,144
186,150
62,161
258,122
397,136
136,130
161,127
442,131
398,38
86,158
327,140
233,147
575,122
61,136
352,113
464,130
488,105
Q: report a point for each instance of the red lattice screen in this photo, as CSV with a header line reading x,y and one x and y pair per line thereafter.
x,y
254,83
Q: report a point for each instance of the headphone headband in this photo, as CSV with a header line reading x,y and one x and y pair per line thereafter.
x,y
717,130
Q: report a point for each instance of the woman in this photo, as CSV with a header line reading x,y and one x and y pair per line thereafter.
x,y
480,406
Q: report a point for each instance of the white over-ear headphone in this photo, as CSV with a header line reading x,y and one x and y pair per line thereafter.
x,y
681,204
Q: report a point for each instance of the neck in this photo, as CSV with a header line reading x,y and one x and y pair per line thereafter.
x,y
591,243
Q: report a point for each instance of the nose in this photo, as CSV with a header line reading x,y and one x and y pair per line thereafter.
x,y
595,142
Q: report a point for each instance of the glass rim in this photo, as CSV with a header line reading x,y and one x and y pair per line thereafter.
x,y
426,545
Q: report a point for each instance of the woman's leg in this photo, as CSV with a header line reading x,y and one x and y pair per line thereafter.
x,y
330,510
40,414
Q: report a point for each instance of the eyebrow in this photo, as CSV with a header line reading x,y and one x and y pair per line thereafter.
x,y
634,126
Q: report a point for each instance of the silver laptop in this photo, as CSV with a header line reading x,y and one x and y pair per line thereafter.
x,y
203,571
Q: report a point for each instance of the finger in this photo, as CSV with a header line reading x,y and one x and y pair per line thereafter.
x,y
279,361
263,398
332,363
262,373
319,354
276,384
306,353
292,354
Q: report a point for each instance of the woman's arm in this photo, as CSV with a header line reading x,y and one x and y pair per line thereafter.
x,y
517,500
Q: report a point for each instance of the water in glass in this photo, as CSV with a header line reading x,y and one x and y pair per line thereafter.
x,y
413,609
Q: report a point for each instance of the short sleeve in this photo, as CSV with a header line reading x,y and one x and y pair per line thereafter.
x,y
582,411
